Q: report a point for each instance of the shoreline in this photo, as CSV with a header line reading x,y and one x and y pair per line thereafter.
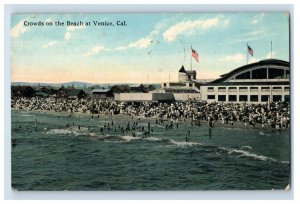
x,y
236,124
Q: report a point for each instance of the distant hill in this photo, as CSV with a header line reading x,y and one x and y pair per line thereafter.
x,y
76,84
33,84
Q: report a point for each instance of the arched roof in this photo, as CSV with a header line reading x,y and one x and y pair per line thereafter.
x,y
261,63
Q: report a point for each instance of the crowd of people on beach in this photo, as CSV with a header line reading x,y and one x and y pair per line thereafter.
x,y
276,115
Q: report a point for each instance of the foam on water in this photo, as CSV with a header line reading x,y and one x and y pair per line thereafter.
x,y
159,126
261,133
92,134
249,154
253,155
264,134
26,115
246,147
64,132
181,144
153,139
128,138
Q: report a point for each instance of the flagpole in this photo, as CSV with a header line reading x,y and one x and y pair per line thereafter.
x,y
271,50
247,53
183,55
191,59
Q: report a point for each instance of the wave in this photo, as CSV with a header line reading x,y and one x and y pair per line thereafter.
x,y
246,147
180,143
64,132
238,152
159,126
153,139
26,115
263,133
92,134
243,153
128,138
253,155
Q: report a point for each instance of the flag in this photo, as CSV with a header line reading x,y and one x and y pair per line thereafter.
x,y
195,54
250,50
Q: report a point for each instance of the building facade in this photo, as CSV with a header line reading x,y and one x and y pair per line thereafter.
x,y
260,82
186,88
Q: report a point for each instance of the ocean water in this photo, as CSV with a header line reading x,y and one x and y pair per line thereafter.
x,y
49,155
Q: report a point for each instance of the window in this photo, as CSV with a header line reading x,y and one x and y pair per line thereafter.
x,y
276,73
286,88
287,98
253,88
259,74
232,98
232,88
254,98
277,88
190,85
211,97
277,98
221,97
243,89
245,75
287,74
222,89
243,98
210,88
264,98
265,88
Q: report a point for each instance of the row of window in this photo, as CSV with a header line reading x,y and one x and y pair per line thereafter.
x,y
253,98
265,74
180,91
255,88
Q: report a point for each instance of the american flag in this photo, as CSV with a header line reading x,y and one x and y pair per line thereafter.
x,y
195,54
250,50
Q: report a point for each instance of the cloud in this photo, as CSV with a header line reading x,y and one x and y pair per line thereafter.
x,y
139,44
71,29
254,33
226,22
252,60
67,36
147,40
257,18
48,20
96,50
49,44
268,56
18,29
245,39
233,58
187,26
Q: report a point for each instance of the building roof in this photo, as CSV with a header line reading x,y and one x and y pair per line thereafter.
x,y
247,83
74,92
100,90
267,62
191,71
182,69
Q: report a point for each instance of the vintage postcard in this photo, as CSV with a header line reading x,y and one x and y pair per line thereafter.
x,y
150,101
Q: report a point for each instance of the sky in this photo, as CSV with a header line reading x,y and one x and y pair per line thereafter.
x,y
151,48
